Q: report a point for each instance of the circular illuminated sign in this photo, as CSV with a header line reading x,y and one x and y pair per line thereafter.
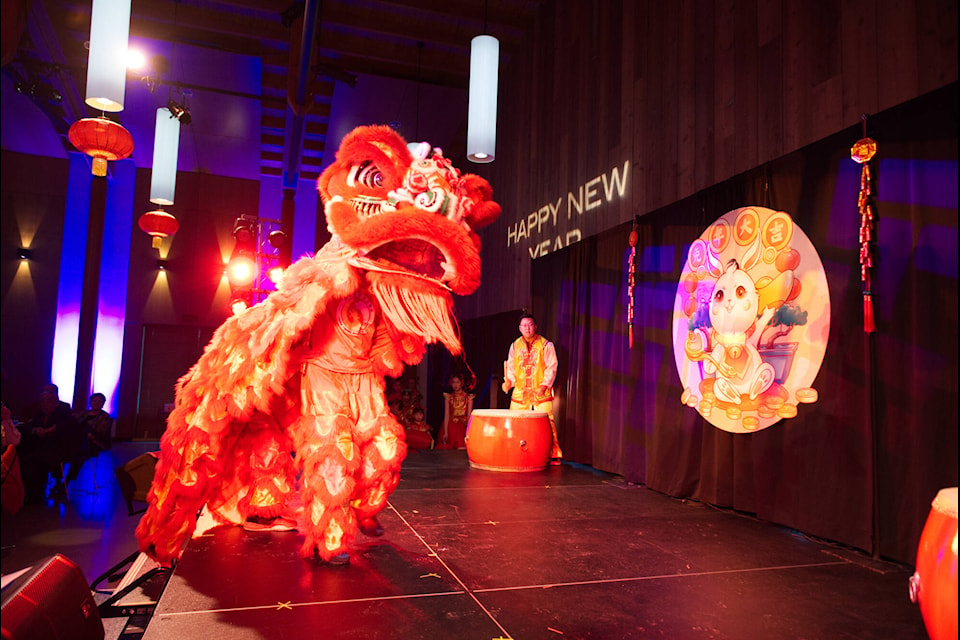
x,y
751,320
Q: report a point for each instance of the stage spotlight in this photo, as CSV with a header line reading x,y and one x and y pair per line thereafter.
x,y
277,239
179,111
241,271
244,230
275,274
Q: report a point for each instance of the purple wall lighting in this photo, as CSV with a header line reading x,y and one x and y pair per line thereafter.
x,y
70,291
112,290
112,294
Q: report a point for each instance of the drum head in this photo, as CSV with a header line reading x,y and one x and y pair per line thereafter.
x,y
946,502
507,413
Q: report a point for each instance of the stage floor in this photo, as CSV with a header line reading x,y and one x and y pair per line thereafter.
x,y
560,554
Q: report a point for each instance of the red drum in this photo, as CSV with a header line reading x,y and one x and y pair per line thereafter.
x,y
504,440
934,584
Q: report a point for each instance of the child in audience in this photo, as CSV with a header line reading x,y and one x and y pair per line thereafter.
x,y
419,437
458,404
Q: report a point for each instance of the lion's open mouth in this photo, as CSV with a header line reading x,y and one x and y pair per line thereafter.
x,y
418,256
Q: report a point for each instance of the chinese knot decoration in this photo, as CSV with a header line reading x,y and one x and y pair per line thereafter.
x,y
861,152
632,280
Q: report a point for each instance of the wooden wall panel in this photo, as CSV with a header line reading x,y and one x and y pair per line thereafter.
x,y
897,51
858,61
689,94
653,107
746,94
704,94
686,97
936,40
725,99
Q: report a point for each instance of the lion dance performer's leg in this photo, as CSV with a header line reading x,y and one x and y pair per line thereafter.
x,y
188,473
238,468
259,476
262,476
349,451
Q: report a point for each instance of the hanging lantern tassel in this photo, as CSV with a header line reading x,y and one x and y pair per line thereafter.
x,y
861,152
631,281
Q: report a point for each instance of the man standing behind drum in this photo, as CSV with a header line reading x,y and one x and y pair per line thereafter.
x,y
531,369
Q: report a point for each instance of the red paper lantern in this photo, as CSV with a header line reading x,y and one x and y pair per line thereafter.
x,y
158,224
103,139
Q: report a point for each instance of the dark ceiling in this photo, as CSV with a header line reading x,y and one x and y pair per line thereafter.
x,y
236,66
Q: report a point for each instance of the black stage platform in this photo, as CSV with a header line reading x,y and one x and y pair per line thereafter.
x,y
560,554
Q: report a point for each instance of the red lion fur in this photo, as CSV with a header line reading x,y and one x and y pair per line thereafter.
x,y
404,226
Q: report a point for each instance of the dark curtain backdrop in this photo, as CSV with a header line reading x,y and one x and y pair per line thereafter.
x,y
861,465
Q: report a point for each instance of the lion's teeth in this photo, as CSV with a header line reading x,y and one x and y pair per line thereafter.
x,y
449,273
367,208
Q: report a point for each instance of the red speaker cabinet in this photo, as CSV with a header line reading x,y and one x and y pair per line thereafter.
x,y
50,601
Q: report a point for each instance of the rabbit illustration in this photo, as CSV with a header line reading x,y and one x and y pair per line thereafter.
x,y
734,307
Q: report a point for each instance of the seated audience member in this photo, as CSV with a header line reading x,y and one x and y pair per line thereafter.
x,y
418,432
11,435
12,491
49,439
95,425
407,405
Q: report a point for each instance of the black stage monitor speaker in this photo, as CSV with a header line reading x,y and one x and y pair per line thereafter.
x,y
50,601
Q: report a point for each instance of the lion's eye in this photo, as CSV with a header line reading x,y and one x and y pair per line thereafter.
x,y
368,175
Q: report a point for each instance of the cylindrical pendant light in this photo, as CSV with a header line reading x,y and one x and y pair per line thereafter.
x,y
482,111
107,63
166,146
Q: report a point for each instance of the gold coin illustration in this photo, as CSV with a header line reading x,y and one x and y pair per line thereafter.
x,y
788,411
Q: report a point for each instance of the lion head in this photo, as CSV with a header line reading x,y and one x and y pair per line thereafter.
x,y
407,208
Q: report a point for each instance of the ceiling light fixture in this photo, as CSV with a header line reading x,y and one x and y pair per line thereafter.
x,y
107,63
482,109
166,147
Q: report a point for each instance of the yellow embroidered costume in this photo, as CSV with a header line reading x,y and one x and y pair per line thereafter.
x,y
531,369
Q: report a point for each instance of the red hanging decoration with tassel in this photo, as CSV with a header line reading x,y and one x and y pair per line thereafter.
x,y
861,152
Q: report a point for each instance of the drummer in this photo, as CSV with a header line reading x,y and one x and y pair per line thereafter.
x,y
530,370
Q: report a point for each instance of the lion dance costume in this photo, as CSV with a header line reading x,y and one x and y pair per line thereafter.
x,y
289,395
